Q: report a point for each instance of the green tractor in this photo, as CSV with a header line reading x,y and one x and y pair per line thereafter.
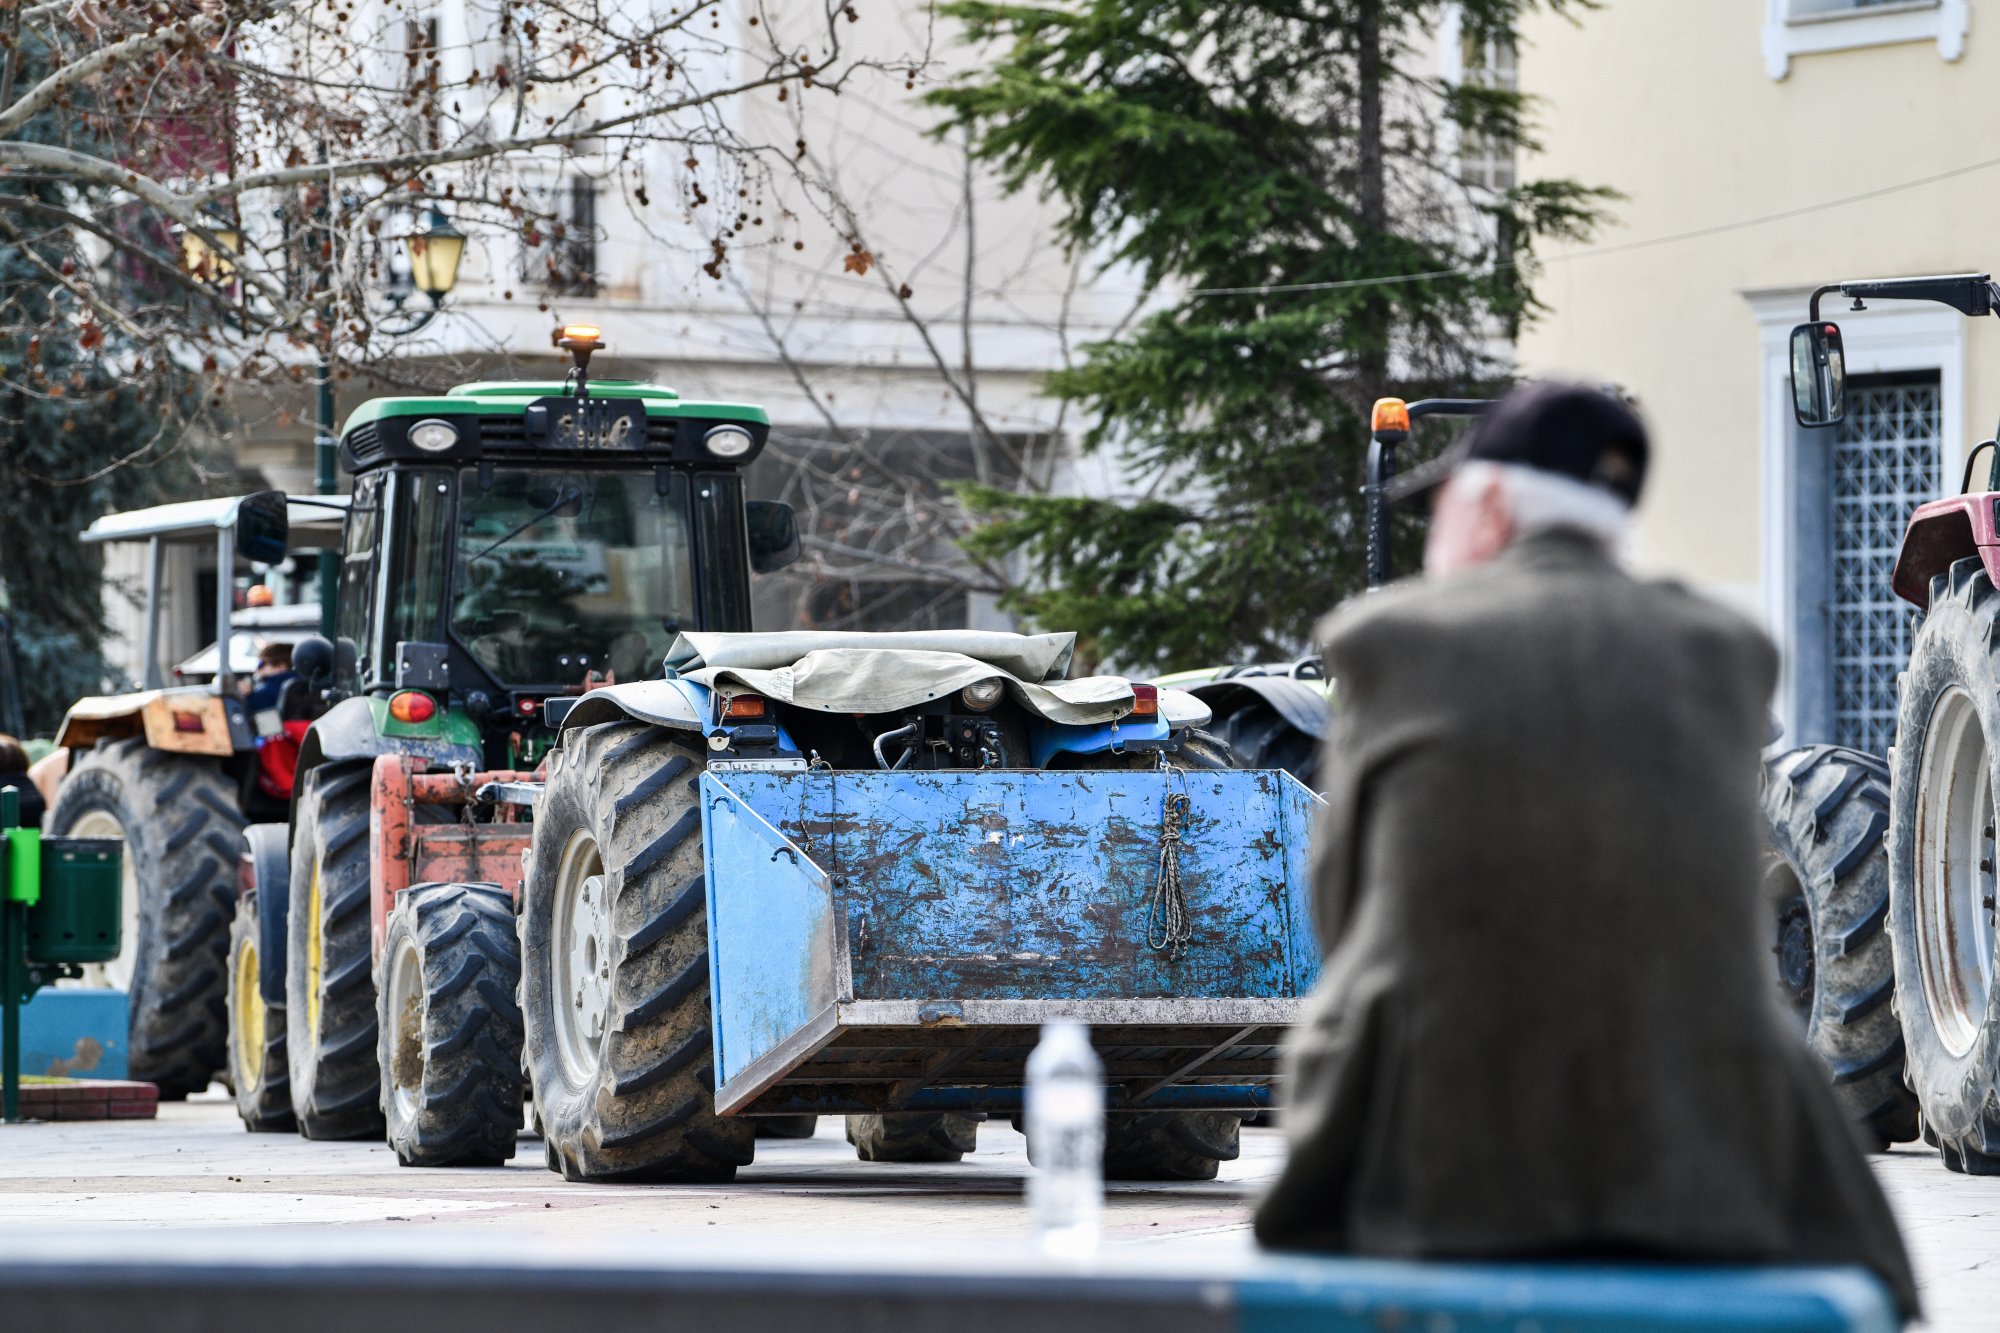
x,y
1826,869
507,544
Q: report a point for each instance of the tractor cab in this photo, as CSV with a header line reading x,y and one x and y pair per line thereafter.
x,y
513,542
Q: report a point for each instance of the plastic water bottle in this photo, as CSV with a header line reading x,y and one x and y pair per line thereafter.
x,y
1065,1106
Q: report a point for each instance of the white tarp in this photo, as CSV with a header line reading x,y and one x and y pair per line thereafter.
x,y
885,673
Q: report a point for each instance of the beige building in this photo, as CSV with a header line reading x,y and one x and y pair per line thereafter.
x,y
1761,154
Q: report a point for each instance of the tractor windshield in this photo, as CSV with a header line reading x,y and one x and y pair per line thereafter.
x,y
561,573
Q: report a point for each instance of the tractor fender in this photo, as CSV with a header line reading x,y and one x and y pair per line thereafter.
x,y
1941,533
267,852
347,731
1301,703
673,702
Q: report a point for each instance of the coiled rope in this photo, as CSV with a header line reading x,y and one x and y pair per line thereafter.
x,y
1168,928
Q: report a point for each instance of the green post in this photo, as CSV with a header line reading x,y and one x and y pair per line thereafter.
x,y
13,964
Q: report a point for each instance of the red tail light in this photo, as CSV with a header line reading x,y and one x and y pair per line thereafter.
x,y
412,706
739,707
1145,701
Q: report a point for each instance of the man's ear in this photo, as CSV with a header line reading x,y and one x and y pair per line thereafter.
x,y
1496,517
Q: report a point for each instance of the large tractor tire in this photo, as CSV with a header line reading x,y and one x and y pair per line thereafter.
x,y
1169,1145
1260,737
1941,869
329,985
1826,881
913,1136
614,945
260,1072
451,1026
182,832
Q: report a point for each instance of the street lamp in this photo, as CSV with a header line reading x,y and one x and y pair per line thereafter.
x,y
205,262
434,253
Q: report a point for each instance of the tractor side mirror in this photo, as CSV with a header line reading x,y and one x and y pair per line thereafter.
x,y
263,527
774,535
1819,374
312,658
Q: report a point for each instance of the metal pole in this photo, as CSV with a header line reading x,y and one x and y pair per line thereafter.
x,y
13,965
225,606
1381,469
325,482
156,572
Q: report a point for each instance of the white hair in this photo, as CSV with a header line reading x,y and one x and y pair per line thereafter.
x,y
1539,500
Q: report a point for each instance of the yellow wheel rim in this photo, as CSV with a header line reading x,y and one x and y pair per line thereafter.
x,y
249,1020
313,957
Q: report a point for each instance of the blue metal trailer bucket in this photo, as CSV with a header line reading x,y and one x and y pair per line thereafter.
x,y
893,940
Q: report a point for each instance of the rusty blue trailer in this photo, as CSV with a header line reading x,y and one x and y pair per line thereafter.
x,y
889,940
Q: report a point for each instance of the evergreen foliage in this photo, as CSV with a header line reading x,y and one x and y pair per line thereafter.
x,y
1252,144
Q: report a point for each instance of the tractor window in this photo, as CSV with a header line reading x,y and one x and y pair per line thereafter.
x,y
418,540
561,573
355,622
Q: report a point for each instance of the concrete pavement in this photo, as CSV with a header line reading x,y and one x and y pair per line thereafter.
x,y
196,1168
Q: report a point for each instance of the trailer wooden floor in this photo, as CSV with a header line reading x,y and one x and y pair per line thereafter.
x,y
195,1167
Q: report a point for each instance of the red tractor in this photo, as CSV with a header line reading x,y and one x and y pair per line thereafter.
x,y
1939,914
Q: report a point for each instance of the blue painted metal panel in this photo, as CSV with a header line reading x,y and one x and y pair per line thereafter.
x,y
1308,1295
75,1033
774,953
1036,885
1300,808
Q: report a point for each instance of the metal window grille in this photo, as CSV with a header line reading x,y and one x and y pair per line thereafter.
x,y
1884,464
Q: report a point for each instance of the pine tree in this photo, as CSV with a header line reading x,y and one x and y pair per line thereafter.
x,y
1257,144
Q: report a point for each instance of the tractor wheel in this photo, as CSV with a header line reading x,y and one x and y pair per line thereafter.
x,y
913,1136
451,1026
614,945
1259,736
786,1126
260,1073
1941,868
329,988
1826,879
183,834
1169,1145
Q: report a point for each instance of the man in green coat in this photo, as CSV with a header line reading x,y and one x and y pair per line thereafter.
x,y
1547,1024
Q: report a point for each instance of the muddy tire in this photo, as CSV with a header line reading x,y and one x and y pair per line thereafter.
x,y
913,1136
1826,883
329,981
614,936
450,1025
260,1073
183,832
1169,1145
1941,868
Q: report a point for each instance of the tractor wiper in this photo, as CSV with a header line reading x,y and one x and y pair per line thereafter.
x,y
572,494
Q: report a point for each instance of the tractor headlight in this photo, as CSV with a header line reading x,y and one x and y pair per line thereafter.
x,y
434,436
983,694
728,441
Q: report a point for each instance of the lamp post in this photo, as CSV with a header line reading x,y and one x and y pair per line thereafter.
x,y
434,251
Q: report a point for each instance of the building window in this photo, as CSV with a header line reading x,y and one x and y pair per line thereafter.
x,y
1883,463
1807,27
1487,161
560,254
